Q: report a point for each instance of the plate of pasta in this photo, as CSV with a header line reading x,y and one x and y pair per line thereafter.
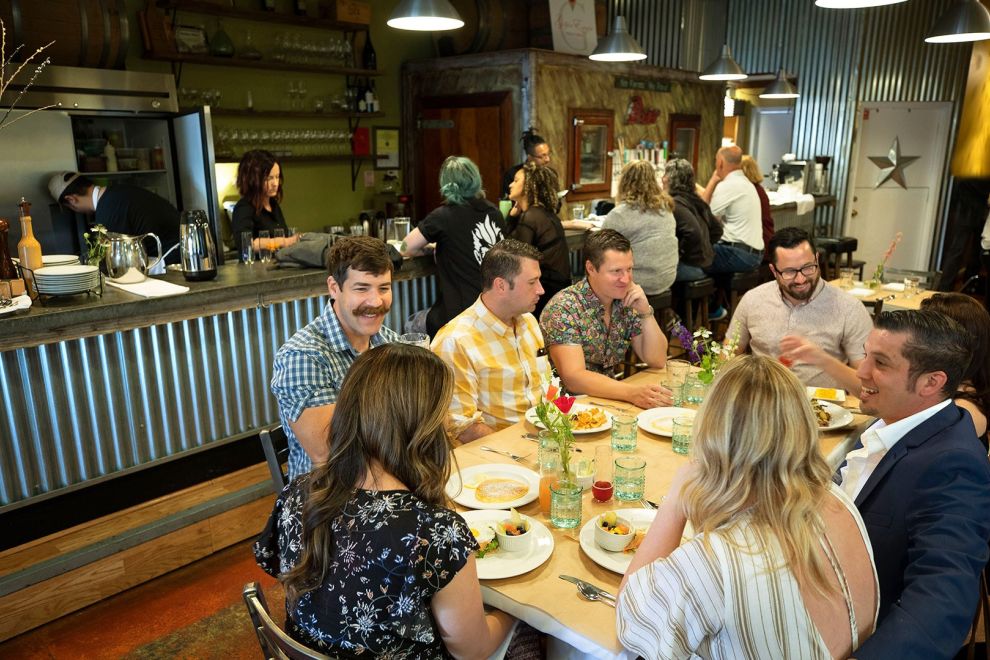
x,y
584,418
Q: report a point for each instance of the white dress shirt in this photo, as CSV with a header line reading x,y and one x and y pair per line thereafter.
x,y
735,199
877,441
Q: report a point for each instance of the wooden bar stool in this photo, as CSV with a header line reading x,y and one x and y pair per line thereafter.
x,y
733,286
692,301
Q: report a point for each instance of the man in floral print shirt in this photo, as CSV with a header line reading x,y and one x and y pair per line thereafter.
x,y
589,326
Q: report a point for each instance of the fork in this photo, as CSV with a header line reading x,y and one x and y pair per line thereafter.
x,y
509,454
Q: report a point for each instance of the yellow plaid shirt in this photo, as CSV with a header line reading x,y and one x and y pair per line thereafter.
x,y
497,375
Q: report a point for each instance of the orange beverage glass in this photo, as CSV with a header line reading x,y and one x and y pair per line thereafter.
x,y
545,482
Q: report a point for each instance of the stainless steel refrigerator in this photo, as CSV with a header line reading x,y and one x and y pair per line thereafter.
x,y
157,146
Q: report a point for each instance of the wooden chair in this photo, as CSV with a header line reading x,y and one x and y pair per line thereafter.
x,y
874,306
275,444
692,297
929,279
275,643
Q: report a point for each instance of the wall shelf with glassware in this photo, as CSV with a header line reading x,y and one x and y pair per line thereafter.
x,y
310,159
293,114
125,172
217,9
210,60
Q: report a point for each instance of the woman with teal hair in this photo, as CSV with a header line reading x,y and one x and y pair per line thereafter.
x,y
463,229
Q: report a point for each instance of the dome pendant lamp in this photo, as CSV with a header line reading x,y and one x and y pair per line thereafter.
x,y
780,88
618,45
854,4
724,68
966,20
425,16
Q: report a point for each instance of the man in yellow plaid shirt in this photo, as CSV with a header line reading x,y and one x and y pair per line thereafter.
x,y
492,346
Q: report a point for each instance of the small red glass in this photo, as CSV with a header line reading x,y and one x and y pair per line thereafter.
x,y
786,361
601,488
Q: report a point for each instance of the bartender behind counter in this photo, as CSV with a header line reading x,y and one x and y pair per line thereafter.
x,y
259,181
121,208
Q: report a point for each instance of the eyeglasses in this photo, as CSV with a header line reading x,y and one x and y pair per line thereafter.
x,y
791,273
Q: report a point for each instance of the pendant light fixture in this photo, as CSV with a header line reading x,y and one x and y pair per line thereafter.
x,y
425,16
724,68
780,88
966,20
854,4
618,45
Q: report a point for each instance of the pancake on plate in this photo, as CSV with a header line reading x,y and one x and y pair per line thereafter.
x,y
500,490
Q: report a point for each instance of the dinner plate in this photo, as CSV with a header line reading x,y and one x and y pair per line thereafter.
x,y
65,271
54,259
835,394
660,421
840,416
617,562
476,473
577,407
501,564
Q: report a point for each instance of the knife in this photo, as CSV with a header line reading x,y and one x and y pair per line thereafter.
x,y
578,581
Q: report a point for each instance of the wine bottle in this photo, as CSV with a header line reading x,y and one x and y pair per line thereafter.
x,y
28,248
8,271
369,60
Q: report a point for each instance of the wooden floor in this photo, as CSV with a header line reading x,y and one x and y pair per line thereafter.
x,y
192,612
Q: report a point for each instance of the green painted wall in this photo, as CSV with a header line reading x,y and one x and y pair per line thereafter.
x,y
316,194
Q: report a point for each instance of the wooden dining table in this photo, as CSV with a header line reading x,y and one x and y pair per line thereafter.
x,y
892,298
539,597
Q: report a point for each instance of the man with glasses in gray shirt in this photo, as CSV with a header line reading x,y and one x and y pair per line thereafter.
x,y
809,325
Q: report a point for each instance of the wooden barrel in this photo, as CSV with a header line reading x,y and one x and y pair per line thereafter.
x,y
88,33
489,25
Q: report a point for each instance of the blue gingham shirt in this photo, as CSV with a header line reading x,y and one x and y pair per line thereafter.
x,y
308,372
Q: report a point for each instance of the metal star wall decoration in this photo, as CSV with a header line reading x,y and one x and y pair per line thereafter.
x,y
892,165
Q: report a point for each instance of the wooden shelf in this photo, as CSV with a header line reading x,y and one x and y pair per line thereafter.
x,y
341,158
124,172
289,114
214,9
260,64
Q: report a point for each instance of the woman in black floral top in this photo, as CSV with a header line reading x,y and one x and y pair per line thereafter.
x,y
373,563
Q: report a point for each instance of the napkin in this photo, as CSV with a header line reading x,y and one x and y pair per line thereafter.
x,y
894,286
805,204
151,288
860,291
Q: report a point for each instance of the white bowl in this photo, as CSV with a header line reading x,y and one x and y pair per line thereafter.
x,y
614,542
518,543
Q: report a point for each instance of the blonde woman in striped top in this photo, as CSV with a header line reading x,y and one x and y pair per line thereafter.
x,y
780,565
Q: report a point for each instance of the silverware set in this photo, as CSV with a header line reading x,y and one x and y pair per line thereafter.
x,y
589,591
507,454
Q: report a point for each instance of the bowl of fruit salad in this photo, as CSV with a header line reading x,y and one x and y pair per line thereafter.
x,y
513,532
612,532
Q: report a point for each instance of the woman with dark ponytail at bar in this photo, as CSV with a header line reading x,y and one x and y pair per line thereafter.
x,y
537,151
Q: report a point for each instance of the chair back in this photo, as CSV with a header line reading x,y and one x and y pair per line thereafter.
x,y
929,279
874,307
275,643
275,444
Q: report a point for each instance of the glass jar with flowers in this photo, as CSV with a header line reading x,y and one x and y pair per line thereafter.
x,y
877,280
559,490
703,350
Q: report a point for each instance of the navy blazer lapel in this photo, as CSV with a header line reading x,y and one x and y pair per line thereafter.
x,y
920,434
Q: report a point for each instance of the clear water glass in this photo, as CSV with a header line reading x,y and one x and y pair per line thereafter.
x,y
630,478
565,505
624,433
912,283
681,436
247,247
694,390
264,245
678,371
416,339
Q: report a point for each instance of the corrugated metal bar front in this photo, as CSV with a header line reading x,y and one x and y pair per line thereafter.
x,y
87,408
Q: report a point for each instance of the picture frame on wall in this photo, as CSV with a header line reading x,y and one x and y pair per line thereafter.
x,y
386,147
191,39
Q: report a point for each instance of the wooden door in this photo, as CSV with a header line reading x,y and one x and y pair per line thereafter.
x,y
478,126
589,148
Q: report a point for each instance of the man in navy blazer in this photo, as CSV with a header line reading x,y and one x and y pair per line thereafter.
x,y
921,480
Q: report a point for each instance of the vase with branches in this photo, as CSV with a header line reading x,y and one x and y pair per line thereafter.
x,y
7,65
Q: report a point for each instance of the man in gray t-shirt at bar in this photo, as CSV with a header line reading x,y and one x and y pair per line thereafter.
x,y
816,328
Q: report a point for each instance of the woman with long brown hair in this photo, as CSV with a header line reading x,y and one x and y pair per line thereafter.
x,y
372,561
534,220
259,181
974,391
780,565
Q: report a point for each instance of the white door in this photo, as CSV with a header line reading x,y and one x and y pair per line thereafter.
x,y
897,142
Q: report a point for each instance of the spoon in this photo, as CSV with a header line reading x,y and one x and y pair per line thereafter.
x,y
588,592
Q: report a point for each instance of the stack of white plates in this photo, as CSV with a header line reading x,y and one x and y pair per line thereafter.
x,y
62,280
56,259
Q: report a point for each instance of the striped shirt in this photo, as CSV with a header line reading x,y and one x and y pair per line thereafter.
x,y
308,372
497,375
724,602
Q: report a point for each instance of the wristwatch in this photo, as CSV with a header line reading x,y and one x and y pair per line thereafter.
x,y
645,314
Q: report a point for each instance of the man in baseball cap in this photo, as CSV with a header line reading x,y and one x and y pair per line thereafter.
x,y
121,208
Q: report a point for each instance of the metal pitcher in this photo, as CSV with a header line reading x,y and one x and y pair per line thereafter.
x,y
199,257
126,259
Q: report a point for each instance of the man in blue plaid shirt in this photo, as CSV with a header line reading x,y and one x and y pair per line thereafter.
x,y
311,366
